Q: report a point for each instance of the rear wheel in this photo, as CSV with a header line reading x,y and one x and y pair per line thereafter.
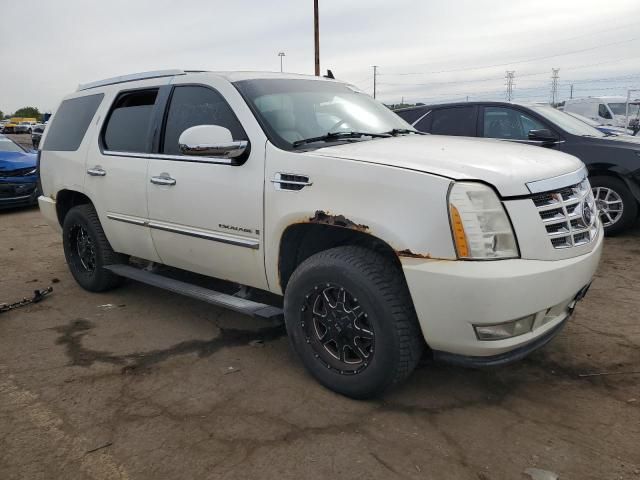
x,y
617,205
351,320
88,251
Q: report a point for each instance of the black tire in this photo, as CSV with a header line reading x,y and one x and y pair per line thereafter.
x,y
629,203
88,270
378,287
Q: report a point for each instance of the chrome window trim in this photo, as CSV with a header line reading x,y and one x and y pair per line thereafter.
x,y
190,232
555,183
162,156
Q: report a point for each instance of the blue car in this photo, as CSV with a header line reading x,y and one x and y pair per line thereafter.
x,y
18,175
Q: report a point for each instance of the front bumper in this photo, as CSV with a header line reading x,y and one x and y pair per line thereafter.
x,y
452,296
18,194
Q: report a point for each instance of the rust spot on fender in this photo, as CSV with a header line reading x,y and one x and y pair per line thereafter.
x,y
408,253
324,218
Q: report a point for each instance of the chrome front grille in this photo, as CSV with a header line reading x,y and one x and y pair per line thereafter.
x,y
569,215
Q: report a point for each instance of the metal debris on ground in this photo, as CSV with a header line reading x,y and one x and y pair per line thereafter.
x,y
603,374
539,474
38,295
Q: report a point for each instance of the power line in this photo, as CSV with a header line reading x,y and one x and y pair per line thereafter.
x,y
533,59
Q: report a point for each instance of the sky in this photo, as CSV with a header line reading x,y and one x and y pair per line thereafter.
x,y
426,50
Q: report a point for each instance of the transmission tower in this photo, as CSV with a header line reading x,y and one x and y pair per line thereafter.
x,y
510,75
554,85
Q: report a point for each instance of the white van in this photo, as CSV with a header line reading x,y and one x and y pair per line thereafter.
x,y
605,110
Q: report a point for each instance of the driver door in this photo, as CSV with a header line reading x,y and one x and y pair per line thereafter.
x,y
206,213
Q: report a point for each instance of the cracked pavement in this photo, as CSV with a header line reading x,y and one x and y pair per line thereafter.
x,y
139,383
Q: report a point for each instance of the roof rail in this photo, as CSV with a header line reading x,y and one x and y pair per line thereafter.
x,y
131,78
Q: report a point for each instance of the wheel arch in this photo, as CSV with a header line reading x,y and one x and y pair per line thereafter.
x,y
299,241
66,200
607,170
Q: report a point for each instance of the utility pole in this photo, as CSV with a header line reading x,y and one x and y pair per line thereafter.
x,y
316,35
375,73
554,86
281,54
510,75
571,94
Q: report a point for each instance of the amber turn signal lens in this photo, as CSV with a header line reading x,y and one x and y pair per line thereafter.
x,y
458,233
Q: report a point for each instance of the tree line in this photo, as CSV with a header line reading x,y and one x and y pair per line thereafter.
x,y
24,112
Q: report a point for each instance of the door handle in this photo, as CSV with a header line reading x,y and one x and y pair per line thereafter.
x,y
96,171
163,179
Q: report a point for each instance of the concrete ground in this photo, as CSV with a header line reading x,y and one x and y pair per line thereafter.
x,y
138,383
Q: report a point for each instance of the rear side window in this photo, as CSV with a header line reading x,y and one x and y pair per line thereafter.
x,y
71,122
193,105
460,121
603,111
127,127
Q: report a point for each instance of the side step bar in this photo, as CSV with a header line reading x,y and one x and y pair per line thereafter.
x,y
213,297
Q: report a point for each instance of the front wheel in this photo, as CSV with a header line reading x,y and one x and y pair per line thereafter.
x,y
617,205
88,251
351,320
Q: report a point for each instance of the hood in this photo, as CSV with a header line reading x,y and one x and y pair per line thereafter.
x,y
10,161
506,165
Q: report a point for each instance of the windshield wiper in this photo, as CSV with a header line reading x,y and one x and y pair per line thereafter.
x,y
400,131
339,136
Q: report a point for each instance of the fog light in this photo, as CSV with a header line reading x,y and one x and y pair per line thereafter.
x,y
505,330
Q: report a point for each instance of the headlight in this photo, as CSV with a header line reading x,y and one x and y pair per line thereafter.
x,y
479,224
31,172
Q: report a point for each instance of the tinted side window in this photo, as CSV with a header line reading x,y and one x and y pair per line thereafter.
x,y
603,111
195,105
459,121
424,125
412,115
508,123
127,128
71,122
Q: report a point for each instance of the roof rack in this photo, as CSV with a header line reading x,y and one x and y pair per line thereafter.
x,y
131,78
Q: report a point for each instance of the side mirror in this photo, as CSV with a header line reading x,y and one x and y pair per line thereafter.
x,y
543,135
211,141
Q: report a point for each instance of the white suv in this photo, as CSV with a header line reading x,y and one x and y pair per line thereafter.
x,y
370,237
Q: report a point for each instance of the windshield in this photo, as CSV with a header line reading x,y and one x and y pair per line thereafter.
x,y
7,145
291,110
621,109
566,122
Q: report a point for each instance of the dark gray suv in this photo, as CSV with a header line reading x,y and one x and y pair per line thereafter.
x,y
613,161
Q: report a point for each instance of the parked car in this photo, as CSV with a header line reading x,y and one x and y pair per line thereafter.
x,y
9,127
370,237
18,177
605,110
25,127
36,135
612,162
608,130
